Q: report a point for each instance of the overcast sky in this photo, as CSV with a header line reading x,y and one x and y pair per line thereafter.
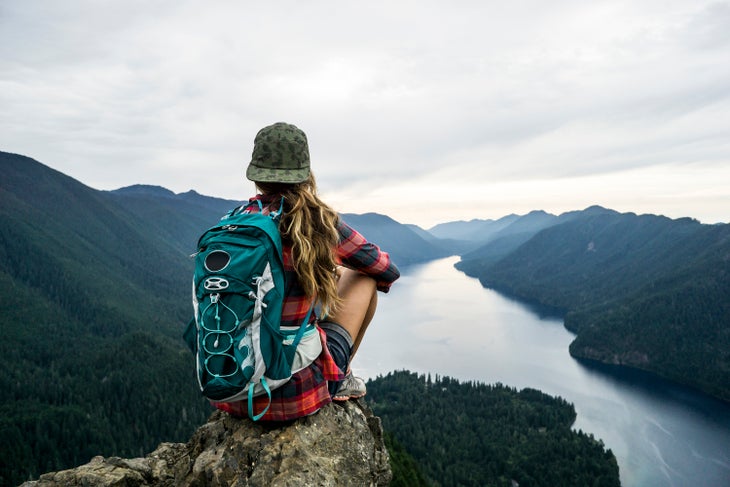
x,y
426,111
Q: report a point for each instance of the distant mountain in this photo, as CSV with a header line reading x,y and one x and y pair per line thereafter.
x,y
191,211
473,230
424,234
643,291
175,219
522,229
530,223
404,244
145,190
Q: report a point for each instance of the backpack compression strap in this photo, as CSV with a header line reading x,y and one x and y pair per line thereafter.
x,y
265,384
303,326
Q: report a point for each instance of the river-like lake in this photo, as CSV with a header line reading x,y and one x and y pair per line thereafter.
x,y
436,319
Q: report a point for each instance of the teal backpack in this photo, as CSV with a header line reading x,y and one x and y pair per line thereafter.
x,y
238,292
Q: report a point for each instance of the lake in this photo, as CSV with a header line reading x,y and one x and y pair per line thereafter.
x,y
436,319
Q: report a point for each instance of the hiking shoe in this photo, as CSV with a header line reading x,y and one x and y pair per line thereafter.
x,y
350,388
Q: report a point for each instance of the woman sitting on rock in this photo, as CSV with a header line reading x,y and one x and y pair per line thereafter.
x,y
326,261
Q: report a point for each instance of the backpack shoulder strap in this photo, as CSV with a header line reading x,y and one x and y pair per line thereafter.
x,y
235,211
275,215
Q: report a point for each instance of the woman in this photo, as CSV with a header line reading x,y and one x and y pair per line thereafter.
x,y
326,262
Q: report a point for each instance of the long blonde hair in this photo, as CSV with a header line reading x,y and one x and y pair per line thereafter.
x,y
310,226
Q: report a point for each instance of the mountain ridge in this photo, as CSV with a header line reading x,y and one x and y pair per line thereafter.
x,y
642,291
404,245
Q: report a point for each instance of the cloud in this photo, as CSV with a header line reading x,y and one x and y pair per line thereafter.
x,y
172,93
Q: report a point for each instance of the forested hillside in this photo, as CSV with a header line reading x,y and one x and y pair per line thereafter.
x,y
498,245
472,434
644,291
94,287
95,290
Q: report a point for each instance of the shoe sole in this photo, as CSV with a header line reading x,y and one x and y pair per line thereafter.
x,y
348,397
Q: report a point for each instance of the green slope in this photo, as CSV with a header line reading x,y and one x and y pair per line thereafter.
x,y
643,291
95,291
94,295
476,434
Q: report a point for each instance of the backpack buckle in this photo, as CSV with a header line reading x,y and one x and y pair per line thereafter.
x,y
216,284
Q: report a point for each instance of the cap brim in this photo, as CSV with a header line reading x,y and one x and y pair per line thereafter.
x,y
269,175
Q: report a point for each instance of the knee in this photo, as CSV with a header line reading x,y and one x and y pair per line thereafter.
x,y
350,280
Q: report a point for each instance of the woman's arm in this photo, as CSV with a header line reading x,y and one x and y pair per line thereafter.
x,y
355,252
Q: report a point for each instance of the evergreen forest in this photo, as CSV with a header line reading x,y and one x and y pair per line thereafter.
x,y
95,293
473,434
94,289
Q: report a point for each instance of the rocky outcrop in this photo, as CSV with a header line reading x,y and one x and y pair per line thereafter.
x,y
342,444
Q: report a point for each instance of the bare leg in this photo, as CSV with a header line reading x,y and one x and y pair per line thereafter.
x,y
359,300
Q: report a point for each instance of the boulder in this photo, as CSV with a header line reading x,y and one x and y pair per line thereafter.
x,y
342,444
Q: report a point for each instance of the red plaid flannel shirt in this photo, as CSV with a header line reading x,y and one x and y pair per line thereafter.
x,y
306,392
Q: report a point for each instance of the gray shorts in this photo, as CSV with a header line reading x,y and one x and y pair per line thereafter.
x,y
339,344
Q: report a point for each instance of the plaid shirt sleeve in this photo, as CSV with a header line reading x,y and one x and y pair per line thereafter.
x,y
355,252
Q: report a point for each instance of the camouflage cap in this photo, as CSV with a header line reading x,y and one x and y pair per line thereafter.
x,y
280,155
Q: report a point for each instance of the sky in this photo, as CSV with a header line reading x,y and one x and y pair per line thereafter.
x,y
422,110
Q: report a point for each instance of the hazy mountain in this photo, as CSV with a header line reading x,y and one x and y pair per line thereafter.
x,y
591,210
188,212
473,230
522,229
644,291
490,239
424,234
404,244
531,222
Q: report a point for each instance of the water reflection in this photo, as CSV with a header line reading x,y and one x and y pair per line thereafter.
x,y
435,319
